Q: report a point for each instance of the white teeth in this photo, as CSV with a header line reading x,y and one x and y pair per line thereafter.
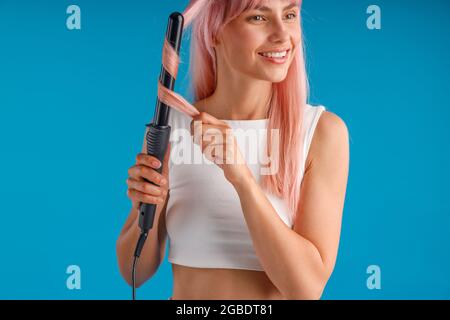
x,y
275,54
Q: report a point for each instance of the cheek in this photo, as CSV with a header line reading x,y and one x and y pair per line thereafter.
x,y
296,36
242,44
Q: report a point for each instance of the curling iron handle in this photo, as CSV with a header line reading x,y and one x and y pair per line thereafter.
x,y
157,138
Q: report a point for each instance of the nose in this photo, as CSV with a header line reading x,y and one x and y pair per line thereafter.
x,y
279,31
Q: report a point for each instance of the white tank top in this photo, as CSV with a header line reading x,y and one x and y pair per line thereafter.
x,y
204,219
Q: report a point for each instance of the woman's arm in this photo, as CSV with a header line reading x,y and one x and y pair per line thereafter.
x,y
300,261
154,248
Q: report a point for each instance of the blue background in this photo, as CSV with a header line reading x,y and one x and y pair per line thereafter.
x,y
73,105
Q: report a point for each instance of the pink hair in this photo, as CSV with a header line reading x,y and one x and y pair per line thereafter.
x,y
288,100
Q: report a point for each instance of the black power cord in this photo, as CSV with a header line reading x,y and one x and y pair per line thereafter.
x,y
135,260
158,137
137,253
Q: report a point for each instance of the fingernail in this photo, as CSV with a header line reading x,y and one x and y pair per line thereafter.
x,y
156,164
163,181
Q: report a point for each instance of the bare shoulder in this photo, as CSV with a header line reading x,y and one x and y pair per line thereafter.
x,y
324,187
330,139
331,125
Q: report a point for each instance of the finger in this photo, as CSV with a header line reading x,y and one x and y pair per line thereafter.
x,y
150,174
226,153
214,136
215,146
146,187
198,124
133,172
214,156
214,152
214,133
148,160
142,197
209,119
211,129
196,132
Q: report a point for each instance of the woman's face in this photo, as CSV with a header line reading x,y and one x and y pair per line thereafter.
x,y
262,43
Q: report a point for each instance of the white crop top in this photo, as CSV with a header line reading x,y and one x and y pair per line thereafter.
x,y
204,219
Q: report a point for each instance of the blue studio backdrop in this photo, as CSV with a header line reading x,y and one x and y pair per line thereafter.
x,y
73,109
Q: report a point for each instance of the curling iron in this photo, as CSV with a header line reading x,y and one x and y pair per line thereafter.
x,y
158,136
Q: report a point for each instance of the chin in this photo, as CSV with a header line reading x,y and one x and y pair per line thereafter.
x,y
276,78
270,75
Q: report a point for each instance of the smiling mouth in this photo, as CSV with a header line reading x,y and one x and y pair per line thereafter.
x,y
276,57
275,54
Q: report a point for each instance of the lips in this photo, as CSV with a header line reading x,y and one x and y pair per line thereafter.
x,y
275,58
275,50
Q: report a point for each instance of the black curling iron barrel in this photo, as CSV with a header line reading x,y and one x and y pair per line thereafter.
x,y
158,134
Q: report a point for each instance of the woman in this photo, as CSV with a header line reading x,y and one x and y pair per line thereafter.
x,y
236,233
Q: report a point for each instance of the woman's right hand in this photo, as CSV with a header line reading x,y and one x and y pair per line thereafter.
x,y
141,191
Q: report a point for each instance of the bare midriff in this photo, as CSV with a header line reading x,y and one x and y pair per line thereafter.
x,y
222,284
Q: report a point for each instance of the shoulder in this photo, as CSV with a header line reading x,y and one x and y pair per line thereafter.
x,y
331,125
330,140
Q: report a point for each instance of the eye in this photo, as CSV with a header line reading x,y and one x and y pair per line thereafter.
x,y
253,18
293,15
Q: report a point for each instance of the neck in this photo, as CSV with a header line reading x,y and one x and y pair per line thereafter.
x,y
238,97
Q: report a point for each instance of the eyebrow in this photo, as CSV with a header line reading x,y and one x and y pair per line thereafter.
x,y
264,8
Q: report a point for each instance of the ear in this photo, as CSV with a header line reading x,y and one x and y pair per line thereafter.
x,y
216,41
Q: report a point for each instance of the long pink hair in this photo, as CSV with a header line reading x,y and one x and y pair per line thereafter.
x,y
287,104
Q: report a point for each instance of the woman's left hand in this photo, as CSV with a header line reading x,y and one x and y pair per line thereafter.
x,y
219,145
